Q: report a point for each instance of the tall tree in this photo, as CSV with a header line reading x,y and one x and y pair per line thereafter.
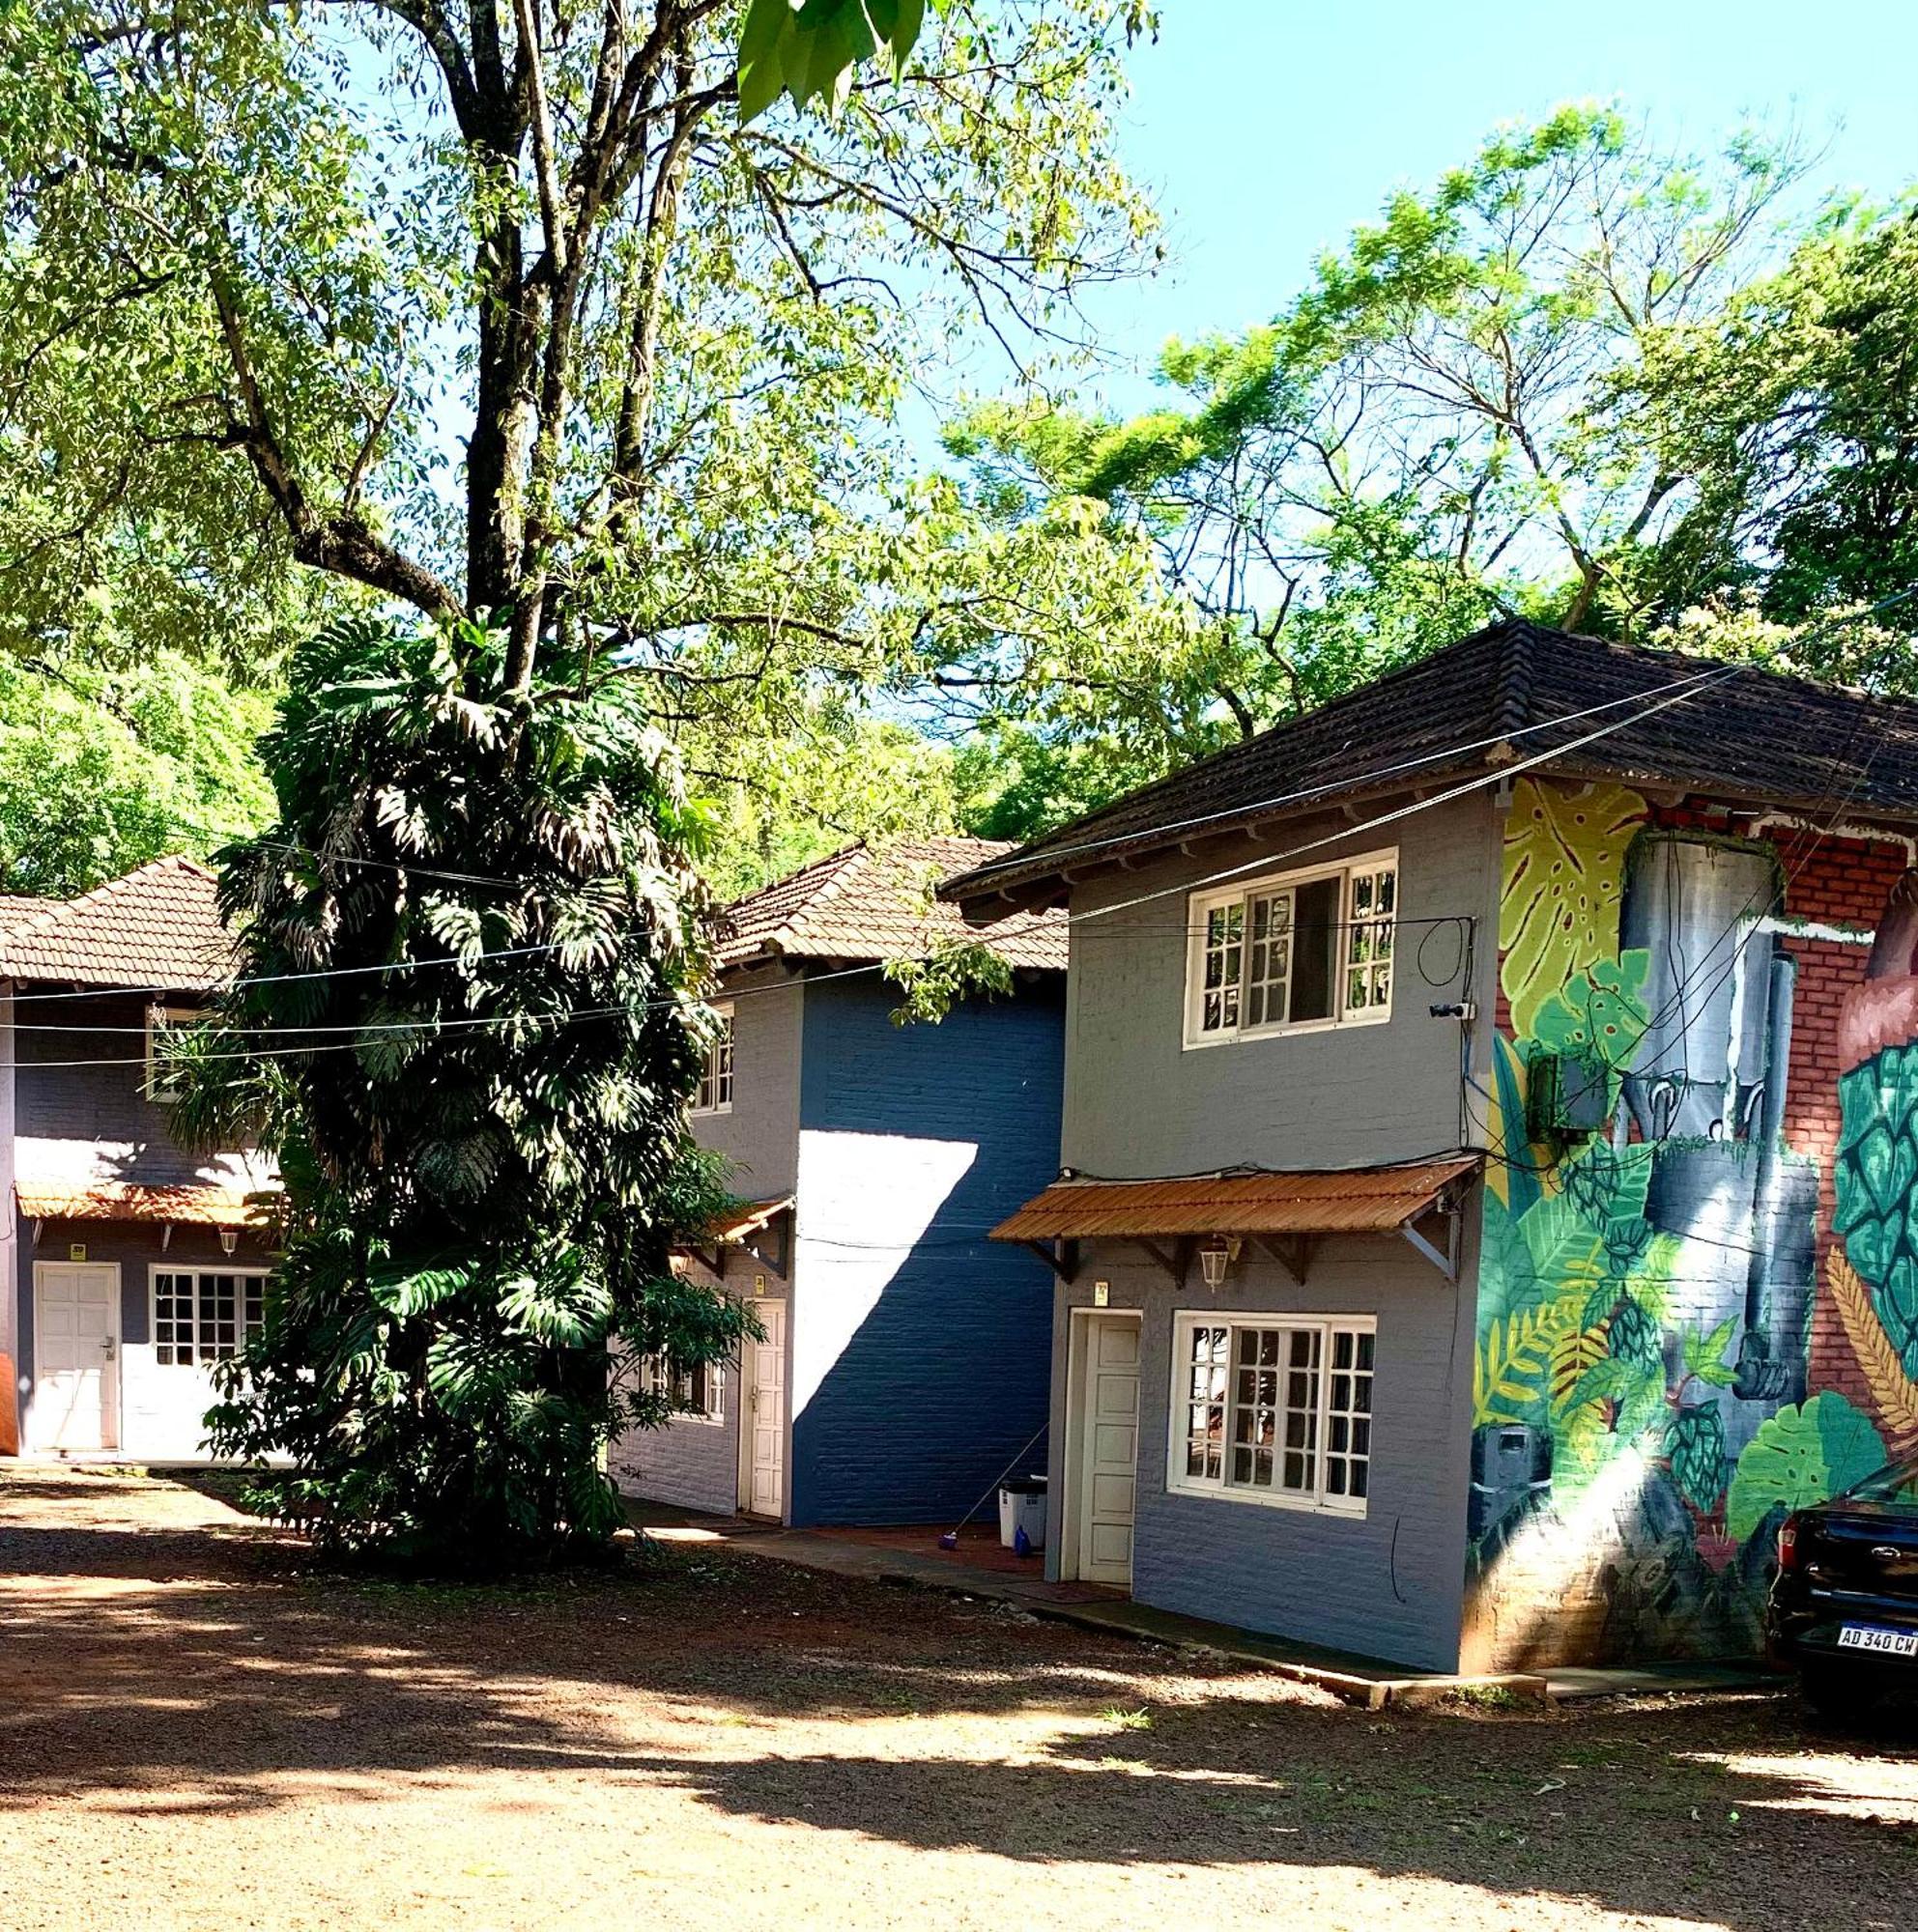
x,y
1419,440
1795,412
466,1024
503,312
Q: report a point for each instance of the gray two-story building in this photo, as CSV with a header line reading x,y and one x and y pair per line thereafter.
x,y
1482,1099
901,1358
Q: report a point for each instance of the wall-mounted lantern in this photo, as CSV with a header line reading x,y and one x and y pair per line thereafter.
x,y
1217,1253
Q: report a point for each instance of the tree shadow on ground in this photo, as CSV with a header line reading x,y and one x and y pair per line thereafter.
x,y
1633,1821
772,1693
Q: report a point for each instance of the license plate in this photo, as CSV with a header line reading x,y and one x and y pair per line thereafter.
x,y
1888,1643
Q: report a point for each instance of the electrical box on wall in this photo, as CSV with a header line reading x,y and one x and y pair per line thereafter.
x,y
1568,1095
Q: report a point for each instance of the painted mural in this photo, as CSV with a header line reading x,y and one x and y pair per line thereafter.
x,y
1647,1396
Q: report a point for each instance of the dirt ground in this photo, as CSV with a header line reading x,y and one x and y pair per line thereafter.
x,y
199,1730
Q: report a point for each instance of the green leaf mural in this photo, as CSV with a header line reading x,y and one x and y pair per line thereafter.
x,y
1696,1446
1874,1177
1799,1457
1600,1015
1565,861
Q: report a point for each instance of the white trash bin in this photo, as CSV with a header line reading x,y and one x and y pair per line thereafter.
x,y
1023,1507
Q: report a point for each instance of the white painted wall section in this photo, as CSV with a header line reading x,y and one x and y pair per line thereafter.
x,y
865,1201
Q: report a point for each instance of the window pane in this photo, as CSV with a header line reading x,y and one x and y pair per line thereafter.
x,y
1255,1407
1268,960
1303,1355
1220,967
1314,949
1348,1417
1204,1410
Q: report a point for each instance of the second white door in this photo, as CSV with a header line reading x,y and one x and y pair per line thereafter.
x,y
762,1415
1109,1448
77,1351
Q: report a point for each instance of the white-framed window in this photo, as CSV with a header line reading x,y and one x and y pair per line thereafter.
x,y
1293,953
698,1393
715,1090
162,1084
205,1314
1273,1408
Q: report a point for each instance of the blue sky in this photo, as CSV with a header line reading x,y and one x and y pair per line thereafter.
x,y
1268,129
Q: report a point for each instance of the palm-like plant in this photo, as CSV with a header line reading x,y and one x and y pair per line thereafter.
x,y
479,1111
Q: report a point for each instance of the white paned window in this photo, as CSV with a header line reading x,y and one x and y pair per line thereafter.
x,y
1223,950
715,1090
1371,898
1303,952
1273,1408
163,1082
206,1315
698,1394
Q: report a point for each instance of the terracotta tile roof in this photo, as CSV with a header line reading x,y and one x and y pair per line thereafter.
x,y
1352,1201
109,1181
157,927
1477,704
864,904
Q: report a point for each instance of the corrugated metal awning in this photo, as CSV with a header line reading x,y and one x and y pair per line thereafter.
x,y
745,1217
131,1201
1351,1200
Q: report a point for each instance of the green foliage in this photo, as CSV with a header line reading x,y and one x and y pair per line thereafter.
x,y
1600,1015
482,1137
1695,1443
1705,1355
1793,410
1423,438
953,971
1803,1455
812,50
104,770
1875,1176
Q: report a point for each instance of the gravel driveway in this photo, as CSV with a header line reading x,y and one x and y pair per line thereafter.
x,y
199,1730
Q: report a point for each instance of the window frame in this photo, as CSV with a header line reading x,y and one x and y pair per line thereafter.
x,y
1243,893
1319,1503
162,1018
716,1071
244,1327
655,1371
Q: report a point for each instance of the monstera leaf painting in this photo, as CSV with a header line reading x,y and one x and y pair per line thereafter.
x,y
1877,1183
1564,866
1799,1457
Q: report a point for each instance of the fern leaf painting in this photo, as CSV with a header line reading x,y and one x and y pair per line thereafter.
x,y
1510,1376
1564,864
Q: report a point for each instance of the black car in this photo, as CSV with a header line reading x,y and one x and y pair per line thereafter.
x,y
1843,1607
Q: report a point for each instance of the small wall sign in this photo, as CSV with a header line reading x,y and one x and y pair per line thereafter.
x,y
759,1284
76,1251
1102,1293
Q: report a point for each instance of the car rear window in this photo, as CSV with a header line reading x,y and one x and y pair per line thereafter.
x,y
1895,1486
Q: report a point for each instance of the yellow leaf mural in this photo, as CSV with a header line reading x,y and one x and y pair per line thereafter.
x,y
1564,863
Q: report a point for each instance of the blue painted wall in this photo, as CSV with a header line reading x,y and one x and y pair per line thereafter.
x,y
945,1377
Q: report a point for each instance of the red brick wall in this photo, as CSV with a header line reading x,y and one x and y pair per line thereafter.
x,y
1842,881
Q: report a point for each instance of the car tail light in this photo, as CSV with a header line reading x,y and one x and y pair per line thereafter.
x,y
1788,1542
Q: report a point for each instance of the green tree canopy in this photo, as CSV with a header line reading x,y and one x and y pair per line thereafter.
x,y
1426,436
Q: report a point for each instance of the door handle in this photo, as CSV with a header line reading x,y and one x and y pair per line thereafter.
x,y
106,1347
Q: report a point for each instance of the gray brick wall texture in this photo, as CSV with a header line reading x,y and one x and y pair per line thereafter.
x,y
1388,1586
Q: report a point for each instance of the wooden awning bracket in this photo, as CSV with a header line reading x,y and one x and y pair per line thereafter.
x,y
1061,1257
1292,1252
1178,1264
1442,1258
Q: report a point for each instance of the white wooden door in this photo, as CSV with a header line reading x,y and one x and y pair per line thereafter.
x,y
1109,1448
77,1355
763,1415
